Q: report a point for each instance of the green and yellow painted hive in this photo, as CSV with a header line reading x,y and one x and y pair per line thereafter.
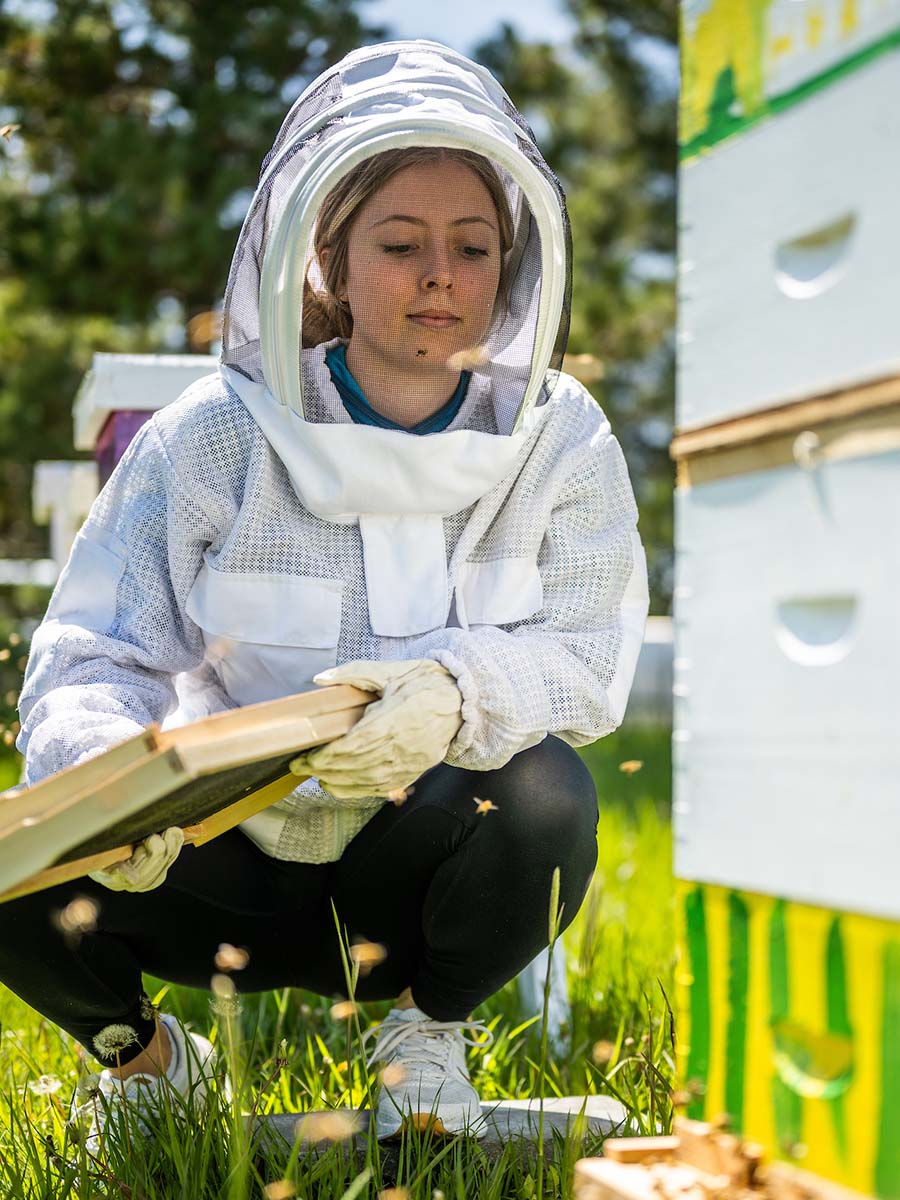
x,y
787,643
790,1019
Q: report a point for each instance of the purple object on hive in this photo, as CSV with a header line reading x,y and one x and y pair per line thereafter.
x,y
115,437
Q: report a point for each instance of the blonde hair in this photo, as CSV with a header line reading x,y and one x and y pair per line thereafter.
x,y
324,316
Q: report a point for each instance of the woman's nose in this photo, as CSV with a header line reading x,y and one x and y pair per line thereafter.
x,y
438,272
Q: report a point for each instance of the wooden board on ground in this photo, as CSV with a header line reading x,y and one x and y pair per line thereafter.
x,y
503,1121
206,777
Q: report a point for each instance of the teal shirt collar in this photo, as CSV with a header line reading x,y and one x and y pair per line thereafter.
x,y
363,413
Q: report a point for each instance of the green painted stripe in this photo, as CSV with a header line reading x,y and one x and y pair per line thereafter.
x,y
836,995
779,998
887,1163
736,1034
723,124
698,952
838,1018
788,1106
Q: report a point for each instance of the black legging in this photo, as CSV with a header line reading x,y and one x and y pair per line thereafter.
x,y
459,897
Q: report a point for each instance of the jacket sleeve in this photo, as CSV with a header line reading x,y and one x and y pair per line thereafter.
x,y
568,669
115,632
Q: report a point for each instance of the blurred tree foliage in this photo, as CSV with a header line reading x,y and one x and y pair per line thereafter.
x,y
604,113
142,124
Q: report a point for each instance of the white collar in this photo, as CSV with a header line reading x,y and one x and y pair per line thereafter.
x,y
396,486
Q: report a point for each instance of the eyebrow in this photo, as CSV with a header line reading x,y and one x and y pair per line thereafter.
x,y
418,221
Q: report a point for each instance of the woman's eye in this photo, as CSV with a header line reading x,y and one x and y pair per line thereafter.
x,y
475,252
399,248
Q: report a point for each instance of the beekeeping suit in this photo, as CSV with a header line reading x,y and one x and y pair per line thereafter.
x,y
253,535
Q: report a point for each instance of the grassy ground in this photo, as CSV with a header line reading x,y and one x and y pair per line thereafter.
x,y
287,1052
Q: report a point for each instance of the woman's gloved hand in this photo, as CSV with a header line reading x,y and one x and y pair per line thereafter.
x,y
147,867
399,736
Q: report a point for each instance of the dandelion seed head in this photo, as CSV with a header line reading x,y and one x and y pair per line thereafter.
x,y
79,916
226,1001
149,1011
14,639
231,958
394,1193
437,1194
114,1039
343,1010
631,767
88,1085
45,1086
629,1041
327,1126
223,987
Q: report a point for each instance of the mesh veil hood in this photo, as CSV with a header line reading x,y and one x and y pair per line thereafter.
x,y
400,94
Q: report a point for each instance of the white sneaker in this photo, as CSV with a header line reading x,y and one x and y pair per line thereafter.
x,y
424,1079
188,1075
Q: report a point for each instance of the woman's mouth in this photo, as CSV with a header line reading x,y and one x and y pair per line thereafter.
x,y
434,320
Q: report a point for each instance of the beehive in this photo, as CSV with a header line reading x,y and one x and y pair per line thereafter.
x,y
787,643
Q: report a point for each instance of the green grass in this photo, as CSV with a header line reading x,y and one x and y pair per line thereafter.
x,y
286,1052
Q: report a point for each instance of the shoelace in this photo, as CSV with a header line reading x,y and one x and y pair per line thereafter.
x,y
431,1045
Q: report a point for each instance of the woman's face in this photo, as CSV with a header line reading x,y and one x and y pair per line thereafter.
x,y
423,268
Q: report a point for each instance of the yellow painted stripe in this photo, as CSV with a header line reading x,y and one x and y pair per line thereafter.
x,y
807,956
759,1115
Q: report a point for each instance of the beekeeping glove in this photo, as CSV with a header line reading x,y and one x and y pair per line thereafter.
x,y
398,738
147,867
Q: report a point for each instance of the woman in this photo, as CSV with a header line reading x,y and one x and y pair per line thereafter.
x,y
418,496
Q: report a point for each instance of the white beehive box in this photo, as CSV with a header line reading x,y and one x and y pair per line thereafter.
x,y
132,383
787,683
790,254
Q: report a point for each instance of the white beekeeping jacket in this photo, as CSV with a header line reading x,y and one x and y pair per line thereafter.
x,y
253,534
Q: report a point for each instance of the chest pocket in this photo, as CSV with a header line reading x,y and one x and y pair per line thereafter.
x,y
498,592
266,635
